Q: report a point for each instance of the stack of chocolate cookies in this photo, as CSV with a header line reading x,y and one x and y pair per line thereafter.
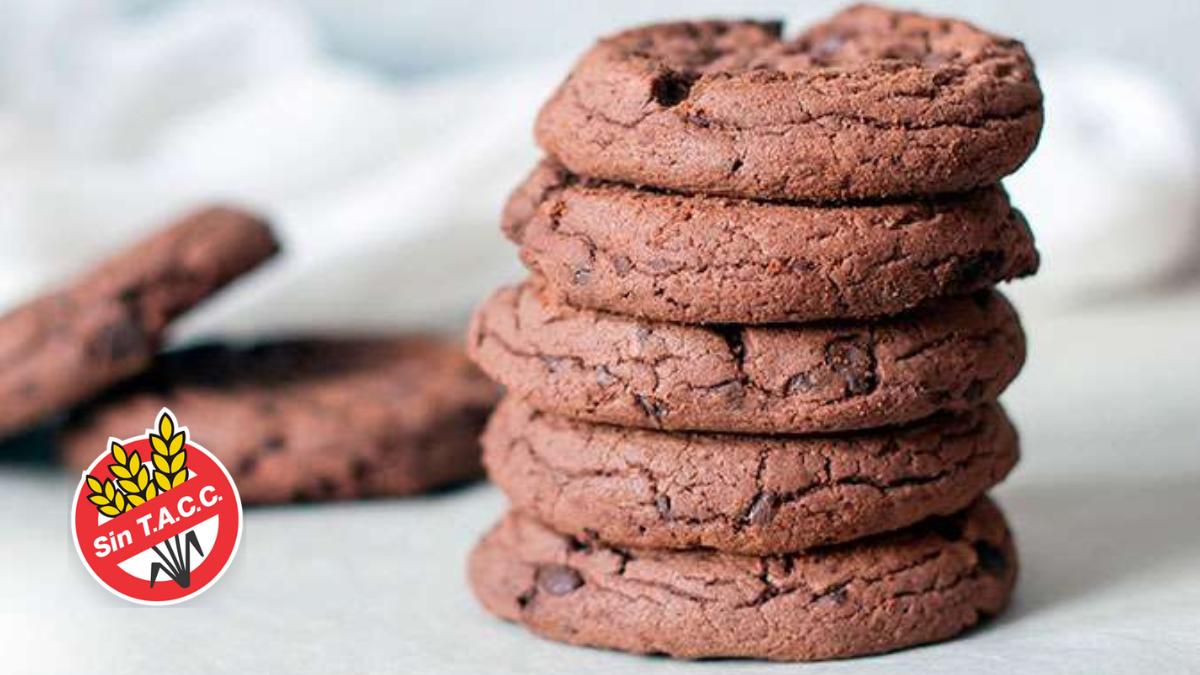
x,y
752,377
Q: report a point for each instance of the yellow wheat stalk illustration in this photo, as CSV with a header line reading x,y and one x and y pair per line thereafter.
x,y
133,486
170,459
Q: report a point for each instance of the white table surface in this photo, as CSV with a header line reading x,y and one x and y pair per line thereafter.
x,y
1105,505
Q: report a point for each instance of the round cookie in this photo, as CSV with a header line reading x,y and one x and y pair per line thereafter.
x,y
700,259
872,103
920,585
310,419
59,349
808,378
753,495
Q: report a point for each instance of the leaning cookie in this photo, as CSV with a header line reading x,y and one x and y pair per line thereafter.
x,y
919,585
307,420
873,103
600,367
700,259
62,348
753,495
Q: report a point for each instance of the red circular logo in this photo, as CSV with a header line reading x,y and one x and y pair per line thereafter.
x,y
157,519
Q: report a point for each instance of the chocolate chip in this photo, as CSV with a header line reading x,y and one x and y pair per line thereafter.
x,y
835,595
991,559
120,340
360,470
652,407
858,383
622,265
853,363
246,466
972,271
670,88
272,443
762,511
662,504
661,265
732,390
800,383
800,265
558,579
604,376
326,486
526,597
551,362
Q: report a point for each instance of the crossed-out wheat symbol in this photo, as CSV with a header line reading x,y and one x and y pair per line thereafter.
x,y
134,486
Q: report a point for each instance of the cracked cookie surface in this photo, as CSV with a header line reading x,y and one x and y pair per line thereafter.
x,y
753,495
310,419
700,259
872,103
835,376
61,348
923,584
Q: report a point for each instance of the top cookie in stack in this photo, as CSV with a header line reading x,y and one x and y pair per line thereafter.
x,y
740,244
870,104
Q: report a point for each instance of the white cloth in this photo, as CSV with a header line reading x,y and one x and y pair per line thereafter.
x,y
1113,191
387,194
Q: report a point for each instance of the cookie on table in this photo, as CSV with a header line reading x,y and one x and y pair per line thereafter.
x,y
872,103
310,419
700,259
753,495
834,376
919,585
59,349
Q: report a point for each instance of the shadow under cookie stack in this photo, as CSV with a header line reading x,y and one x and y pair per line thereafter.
x,y
752,377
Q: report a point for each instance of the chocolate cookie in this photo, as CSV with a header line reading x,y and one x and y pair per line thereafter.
x,y
754,495
317,419
809,378
698,259
59,349
920,585
872,103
